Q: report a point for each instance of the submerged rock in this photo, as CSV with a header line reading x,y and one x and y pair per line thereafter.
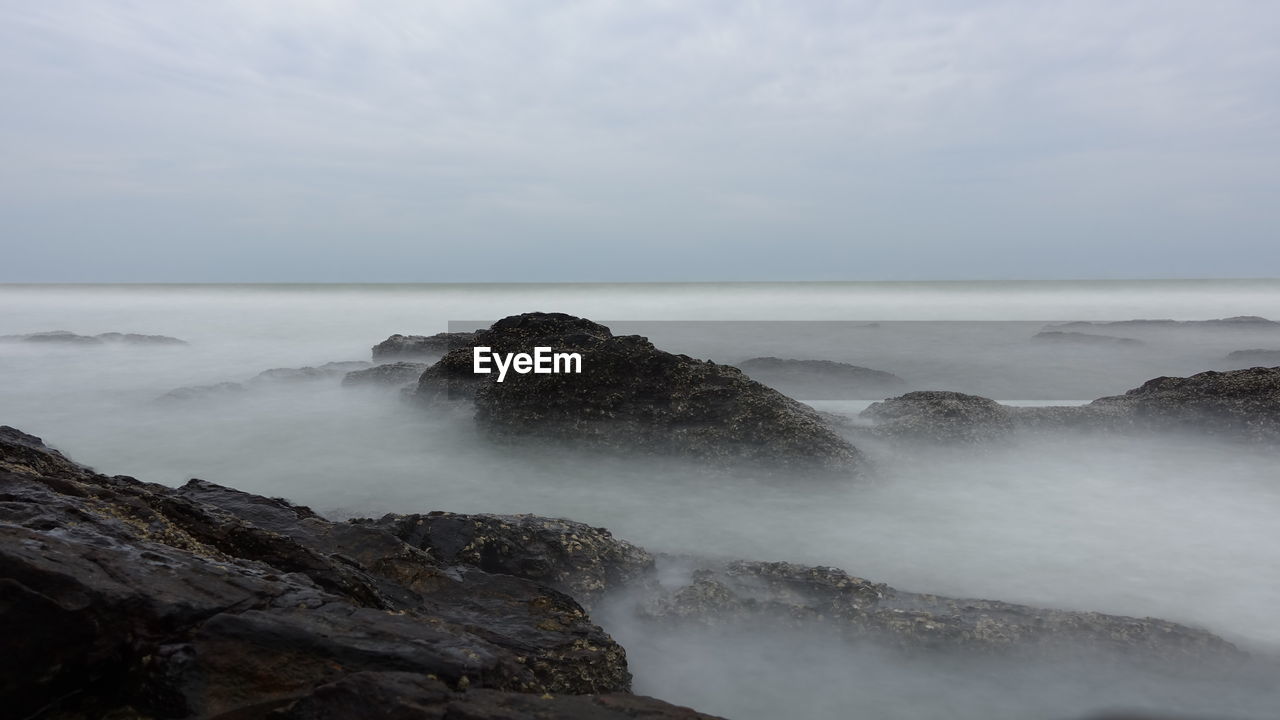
x,y
420,347
755,594
1255,357
136,599
321,372
633,398
1079,338
940,416
821,379
392,374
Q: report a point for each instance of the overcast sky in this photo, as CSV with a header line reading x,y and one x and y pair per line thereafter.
x,y
334,140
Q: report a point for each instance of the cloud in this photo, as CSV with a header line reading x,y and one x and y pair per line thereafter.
x,y
508,140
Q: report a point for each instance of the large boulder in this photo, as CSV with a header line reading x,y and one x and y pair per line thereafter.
x,y
822,379
122,598
1237,404
632,397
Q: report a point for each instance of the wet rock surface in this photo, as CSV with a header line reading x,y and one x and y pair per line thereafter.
x,y
632,398
132,598
393,374
940,416
582,561
822,379
420,347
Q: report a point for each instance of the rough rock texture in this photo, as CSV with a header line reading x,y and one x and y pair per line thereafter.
x,y
392,374
69,338
579,560
412,696
1255,357
756,593
821,379
125,597
420,347
634,398
940,416
1079,338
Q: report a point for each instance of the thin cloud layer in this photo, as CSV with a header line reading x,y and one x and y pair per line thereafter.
x,y
251,141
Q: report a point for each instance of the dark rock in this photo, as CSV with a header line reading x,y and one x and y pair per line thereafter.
x,y
412,696
940,416
322,372
1079,338
392,374
1255,357
420,347
577,559
136,599
755,594
632,398
1237,404
821,379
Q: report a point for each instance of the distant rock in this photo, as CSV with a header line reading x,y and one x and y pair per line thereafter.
x,y
391,374
632,398
1079,338
821,379
1239,321
328,370
69,338
204,392
420,347
1268,358
940,416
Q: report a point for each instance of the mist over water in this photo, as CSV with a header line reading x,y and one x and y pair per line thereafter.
x,y
1170,527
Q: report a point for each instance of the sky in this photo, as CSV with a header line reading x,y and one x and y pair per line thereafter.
x,y
534,140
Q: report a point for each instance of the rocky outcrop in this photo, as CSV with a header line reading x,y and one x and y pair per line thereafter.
x,y
821,379
940,416
1079,338
1255,357
1239,321
136,599
582,561
632,398
784,594
266,378
420,347
65,337
394,374
1238,405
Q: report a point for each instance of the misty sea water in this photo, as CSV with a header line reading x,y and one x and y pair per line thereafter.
x,y
1165,528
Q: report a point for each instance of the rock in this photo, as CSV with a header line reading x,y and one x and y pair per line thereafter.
x,y
70,338
577,559
420,347
204,392
1255,357
412,696
1079,338
940,416
328,370
392,374
123,598
821,379
633,398
1237,404
754,594
1239,321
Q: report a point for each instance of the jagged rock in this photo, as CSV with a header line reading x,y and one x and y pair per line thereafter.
x,y
1238,404
412,696
755,594
1255,357
1079,338
132,598
420,347
393,374
821,379
940,416
632,398
70,338
577,559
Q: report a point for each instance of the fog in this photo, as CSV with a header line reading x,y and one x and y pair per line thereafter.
x,y
1169,527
